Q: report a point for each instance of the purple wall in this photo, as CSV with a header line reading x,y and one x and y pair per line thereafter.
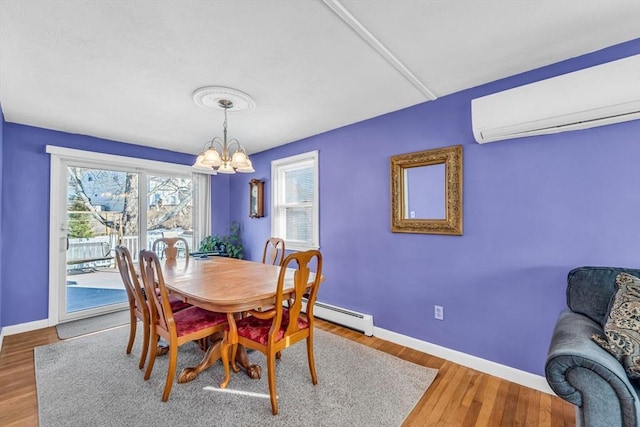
x,y
533,209
220,221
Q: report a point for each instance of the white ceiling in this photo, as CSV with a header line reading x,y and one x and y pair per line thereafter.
x,y
125,70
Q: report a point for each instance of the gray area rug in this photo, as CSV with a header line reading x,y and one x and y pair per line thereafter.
x,y
90,381
92,324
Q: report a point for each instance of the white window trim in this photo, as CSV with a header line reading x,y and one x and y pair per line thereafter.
x,y
124,161
276,189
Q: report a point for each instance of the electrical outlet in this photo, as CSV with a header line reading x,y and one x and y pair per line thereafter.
x,y
438,312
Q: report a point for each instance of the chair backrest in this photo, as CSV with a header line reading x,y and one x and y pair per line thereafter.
x,y
170,250
301,280
273,251
154,286
130,279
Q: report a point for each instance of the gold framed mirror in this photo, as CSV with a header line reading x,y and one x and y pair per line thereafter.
x,y
426,191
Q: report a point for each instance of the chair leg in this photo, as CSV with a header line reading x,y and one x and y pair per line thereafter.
x,y
271,373
312,363
152,354
145,345
171,371
132,331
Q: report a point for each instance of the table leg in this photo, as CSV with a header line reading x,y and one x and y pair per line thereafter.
x,y
253,371
212,355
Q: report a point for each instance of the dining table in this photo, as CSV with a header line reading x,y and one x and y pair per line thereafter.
x,y
224,285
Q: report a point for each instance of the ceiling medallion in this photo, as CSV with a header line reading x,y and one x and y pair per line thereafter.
x,y
210,97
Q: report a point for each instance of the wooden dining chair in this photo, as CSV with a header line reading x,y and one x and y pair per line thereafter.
x,y
273,251
138,306
273,330
167,246
189,324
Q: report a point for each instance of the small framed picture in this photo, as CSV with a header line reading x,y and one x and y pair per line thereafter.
x,y
256,198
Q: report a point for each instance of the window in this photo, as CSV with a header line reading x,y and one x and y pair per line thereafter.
x,y
294,201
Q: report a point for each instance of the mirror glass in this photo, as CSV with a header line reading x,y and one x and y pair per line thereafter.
x,y
426,191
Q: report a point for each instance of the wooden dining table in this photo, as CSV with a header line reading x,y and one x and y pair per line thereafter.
x,y
224,285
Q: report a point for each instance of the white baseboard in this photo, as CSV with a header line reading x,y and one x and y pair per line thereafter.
x,y
508,373
25,327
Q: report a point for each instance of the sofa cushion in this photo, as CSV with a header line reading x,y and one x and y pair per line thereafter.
x,y
622,328
590,290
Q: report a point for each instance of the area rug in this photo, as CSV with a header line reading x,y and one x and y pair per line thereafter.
x,y
90,381
92,324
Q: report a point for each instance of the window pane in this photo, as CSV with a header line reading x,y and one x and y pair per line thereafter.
x,y
299,224
170,208
299,186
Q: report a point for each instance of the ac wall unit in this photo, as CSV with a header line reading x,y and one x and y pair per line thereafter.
x,y
595,96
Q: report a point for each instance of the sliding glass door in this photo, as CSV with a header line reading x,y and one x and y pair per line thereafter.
x,y
101,201
102,212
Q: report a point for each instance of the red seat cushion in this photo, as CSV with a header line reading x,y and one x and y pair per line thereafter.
x,y
177,304
258,330
193,319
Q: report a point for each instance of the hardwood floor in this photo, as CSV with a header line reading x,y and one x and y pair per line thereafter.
x,y
459,396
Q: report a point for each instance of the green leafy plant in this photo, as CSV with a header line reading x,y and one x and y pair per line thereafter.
x,y
79,220
230,244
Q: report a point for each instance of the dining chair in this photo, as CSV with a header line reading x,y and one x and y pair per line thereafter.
x,y
167,247
190,324
273,330
273,251
138,306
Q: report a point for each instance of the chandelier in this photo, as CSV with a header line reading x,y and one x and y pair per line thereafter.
x,y
221,154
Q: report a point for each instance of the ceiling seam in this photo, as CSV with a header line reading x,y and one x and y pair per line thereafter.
x,y
366,35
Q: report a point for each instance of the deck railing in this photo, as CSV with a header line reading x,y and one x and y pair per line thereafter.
x,y
77,247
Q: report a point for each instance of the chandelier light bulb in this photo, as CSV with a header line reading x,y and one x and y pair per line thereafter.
x,y
198,163
211,157
226,168
239,159
246,169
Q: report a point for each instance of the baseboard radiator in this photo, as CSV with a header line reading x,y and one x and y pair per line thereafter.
x,y
350,319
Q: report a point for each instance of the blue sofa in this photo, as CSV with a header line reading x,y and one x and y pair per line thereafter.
x,y
579,370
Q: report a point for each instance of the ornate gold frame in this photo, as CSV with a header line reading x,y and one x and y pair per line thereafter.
x,y
452,159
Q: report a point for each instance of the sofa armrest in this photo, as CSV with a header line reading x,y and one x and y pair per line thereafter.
x,y
581,372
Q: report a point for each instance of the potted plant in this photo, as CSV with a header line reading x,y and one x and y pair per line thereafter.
x,y
227,245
